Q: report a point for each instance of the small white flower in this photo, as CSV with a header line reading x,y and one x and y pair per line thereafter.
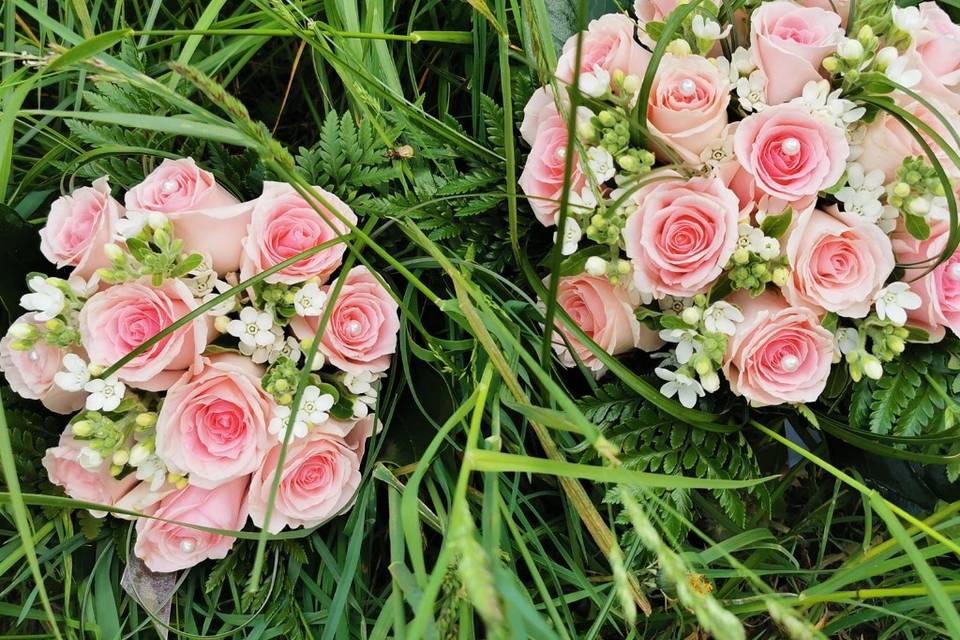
x,y
583,203
105,394
893,301
315,405
821,102
596,266
571,236
261,353
908,19
862,193
89,459
151,470
309,300
718,151
601,163
741,64
722,317
253,328
360,409
769,248
280,422
751,91
847,339
595,83
888,219
850,49
687,341
899,73
84,288
289,348
684,387
707,29
228,305
47,300
360,383
130,225
75,376
750,238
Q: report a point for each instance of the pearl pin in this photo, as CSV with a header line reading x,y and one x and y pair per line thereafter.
x,y
354,328
955,271
35,357
188,545
688,87
168,186
561,153
790,363
790,146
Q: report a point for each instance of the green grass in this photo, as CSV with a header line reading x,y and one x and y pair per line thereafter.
x,y
495,503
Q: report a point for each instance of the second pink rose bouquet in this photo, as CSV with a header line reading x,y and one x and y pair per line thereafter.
x,y
190,429
760,196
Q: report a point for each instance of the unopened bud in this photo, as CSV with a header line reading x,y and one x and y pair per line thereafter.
x,y
82,428
872,367
780,276
157,220
902,189
221,324
886,57
710,381
146,419
691,315
741,255
896,344
112,251
23,330
632,83
851,50
596,266
702,365
121,457
919,206
679,47
831,64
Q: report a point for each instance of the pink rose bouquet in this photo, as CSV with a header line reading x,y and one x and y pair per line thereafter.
x,y
771,198
180,362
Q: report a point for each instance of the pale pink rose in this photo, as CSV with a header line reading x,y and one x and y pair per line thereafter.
x,y
164,546
788,43
688,104
681,235
791,154
213,425
608,44
361,333
82,484
655,11
117,320
836,265
939,290
284,224
840,7
30,373
78,227
205,216
779,353
319,480
935,52
606,314
542,176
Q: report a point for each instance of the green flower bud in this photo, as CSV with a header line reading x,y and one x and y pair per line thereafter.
x,y
82,428
780,276
691,315
741,256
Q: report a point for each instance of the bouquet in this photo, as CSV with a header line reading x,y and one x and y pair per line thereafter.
x,y
770,204
175,343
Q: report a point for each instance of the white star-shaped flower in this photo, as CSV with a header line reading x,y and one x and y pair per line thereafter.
x,y
862,193
253,328
821,102
309,300
595,83
315,405
46,300
707,29
687,341
89,459
105,394
601,163
847,339
130,225
360,383
684,387
722,317
75,376
901,74
280,422
152,470
227,305
741,64
751,91
893,301
571,236
908,19
583,203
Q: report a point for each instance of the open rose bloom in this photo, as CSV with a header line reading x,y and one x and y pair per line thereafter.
x,y
185,416
745,211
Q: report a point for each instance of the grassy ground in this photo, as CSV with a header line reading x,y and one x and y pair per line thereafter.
x,y
492,507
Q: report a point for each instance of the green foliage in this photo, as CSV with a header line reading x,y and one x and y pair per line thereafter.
x,y
32,430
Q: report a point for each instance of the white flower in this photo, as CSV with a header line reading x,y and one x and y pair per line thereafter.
x,y
718,151
684,387
862,193
89,459
687,340
130,225
84,288
850,49
595,83
47,300
722,317
315,404
309,300
360,409
595,266
228,305
261,353
888,219
828,105
741,64
893,300
847,339
360,383
280,422
769,248
707,29
750,238
583,203
908,19
253,328
105,394
601,163
899,73
751,91
75,376
571,236
151,470
289,348
710,381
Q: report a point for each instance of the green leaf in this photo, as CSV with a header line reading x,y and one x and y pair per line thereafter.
x,y
776,225
917,226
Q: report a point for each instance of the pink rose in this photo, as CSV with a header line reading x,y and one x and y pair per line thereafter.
x,y
788,43
78,227
284,225
655,11
608,45
319,480
119,319
779,353
30,373
80,483
165,547
213,425
681,235
688,104
939,290
840,7
545,128
205,216
835,265
790,154
361,333
606,314
935,52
